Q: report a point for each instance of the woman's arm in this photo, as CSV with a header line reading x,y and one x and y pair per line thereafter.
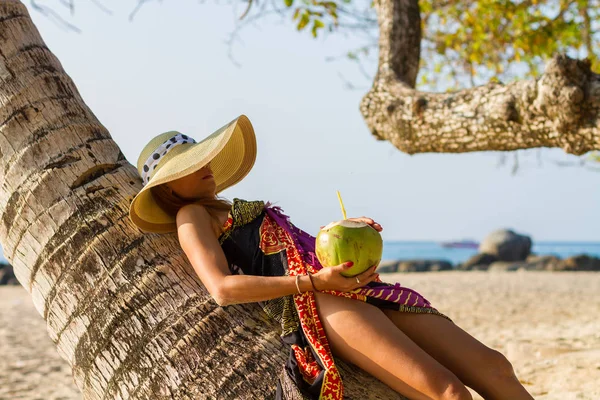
x,y
251,288
204,252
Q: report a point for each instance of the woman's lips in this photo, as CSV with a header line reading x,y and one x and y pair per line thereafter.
x,y
208,176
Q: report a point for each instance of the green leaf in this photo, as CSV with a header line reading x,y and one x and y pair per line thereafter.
x,y
288,3
296,13
594,156
317,23
303,21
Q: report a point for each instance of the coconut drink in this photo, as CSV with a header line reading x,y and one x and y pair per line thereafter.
x,y
347,240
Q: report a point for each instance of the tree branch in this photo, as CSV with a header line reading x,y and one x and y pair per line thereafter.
x,y
399,39
558,109
54,16
137,8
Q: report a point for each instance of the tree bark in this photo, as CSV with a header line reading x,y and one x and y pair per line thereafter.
x,y
125,309
559,109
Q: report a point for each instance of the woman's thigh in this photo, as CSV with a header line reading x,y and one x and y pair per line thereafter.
x,y
470,360
363,335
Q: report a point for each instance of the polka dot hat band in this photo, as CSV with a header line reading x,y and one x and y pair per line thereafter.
x,y
162,150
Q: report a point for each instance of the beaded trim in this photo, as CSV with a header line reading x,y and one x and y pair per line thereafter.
x,y
242,212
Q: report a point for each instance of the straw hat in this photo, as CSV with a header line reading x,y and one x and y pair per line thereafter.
x,y
231,151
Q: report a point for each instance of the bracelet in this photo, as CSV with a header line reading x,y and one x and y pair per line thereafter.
x,y
311,282
298,286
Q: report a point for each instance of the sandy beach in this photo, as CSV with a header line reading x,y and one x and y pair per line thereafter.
x,y
546,323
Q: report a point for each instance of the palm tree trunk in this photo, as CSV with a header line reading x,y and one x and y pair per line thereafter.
x,y
124,308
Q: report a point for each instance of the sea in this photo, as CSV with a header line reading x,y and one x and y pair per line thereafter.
x,y
435,251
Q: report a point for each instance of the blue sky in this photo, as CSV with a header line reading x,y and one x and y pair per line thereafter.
x,y
169,70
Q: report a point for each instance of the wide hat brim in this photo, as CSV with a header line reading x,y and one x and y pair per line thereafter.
x,y
231,151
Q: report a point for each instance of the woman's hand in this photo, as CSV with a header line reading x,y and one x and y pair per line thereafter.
x,y
366,220
329,278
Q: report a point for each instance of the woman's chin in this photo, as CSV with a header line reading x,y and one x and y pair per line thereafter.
x,y
200,196
209,194
209,189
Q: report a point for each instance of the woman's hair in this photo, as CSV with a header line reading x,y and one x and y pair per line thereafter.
x,y
171,203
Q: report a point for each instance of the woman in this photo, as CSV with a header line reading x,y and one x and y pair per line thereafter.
x,y
248,251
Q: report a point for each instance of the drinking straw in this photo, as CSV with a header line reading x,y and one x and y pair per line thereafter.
x,y
341,204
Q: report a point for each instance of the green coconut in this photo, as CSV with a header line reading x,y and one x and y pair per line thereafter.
x,y
347,240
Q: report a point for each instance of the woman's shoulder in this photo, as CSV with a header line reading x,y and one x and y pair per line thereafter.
x,y
190,211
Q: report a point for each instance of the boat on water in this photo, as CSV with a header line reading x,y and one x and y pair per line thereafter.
x,y
462,244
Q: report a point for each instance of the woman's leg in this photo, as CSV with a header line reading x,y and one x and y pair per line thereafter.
x,y
362,334
485,370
